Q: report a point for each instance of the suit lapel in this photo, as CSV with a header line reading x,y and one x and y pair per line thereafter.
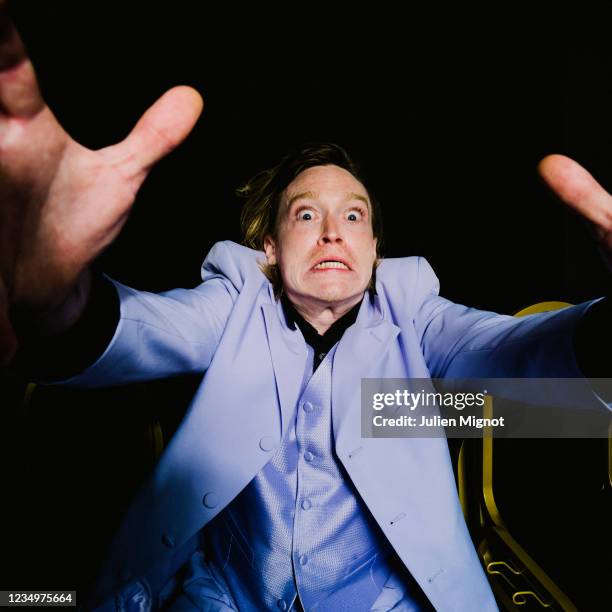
x,y
289,354
360,350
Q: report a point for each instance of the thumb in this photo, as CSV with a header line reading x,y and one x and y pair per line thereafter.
x,y
577,188
163,127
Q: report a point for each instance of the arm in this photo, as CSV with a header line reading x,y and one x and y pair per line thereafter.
x,y
125,335
467,345
463,342
62,204
161,334
45,356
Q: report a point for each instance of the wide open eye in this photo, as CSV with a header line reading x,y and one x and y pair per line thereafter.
x,y
304,214
354,215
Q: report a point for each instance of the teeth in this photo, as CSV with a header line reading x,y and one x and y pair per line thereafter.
x,y
331,264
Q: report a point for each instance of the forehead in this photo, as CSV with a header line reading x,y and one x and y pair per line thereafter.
x,y
328,179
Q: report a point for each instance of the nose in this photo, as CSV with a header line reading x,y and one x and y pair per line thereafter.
x,y
330,231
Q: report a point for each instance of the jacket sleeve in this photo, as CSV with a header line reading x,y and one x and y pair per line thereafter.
x,y
163,334
462,342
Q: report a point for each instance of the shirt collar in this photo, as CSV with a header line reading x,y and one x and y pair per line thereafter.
x,y
311,335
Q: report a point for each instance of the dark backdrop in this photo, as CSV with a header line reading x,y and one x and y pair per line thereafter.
x,y
450,114
448,111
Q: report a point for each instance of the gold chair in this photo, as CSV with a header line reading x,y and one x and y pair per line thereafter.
x,y
518,581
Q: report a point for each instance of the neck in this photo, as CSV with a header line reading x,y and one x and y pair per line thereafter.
x,y
323,315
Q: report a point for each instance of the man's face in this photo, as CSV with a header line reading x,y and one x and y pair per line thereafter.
x,y
325,249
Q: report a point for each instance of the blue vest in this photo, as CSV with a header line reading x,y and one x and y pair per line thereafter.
x,y
300,526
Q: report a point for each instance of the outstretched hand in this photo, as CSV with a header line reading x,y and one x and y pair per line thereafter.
x,y
577,188
61,204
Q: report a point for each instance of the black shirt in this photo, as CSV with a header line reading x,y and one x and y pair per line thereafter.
x,y
320,343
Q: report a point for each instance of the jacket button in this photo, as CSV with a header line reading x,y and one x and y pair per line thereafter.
x,y
267,443
210,500
308,407
308,456
306,504
282,604
168,540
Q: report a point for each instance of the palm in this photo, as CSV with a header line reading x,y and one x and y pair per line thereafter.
x,y
60,203
57,215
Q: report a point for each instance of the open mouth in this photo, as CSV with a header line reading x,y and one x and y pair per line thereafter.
x,y
331,264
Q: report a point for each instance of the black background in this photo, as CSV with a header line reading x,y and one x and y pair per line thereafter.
x,y
449,113
448,110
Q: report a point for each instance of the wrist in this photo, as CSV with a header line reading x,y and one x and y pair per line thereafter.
x,y
59,318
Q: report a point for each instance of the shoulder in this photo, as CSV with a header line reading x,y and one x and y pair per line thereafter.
x,y
406,280
234,262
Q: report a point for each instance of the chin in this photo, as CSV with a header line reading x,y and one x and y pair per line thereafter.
x,y
334,294
333,297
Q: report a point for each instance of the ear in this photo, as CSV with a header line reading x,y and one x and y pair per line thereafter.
x,y
270,249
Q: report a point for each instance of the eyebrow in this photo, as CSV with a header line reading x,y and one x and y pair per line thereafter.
x,y
314,196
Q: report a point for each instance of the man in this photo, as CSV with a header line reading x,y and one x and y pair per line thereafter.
x,y
267,496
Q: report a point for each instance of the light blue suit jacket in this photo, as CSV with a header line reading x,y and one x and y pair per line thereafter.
x,y
231,328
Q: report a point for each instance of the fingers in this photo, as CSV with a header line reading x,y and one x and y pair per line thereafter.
x,y
19,93
163,126
577,188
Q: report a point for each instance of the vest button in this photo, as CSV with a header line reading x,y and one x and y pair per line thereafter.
x,y
282,604
306,504
267,443
168,540
308,456
308,407
303,560
210,500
